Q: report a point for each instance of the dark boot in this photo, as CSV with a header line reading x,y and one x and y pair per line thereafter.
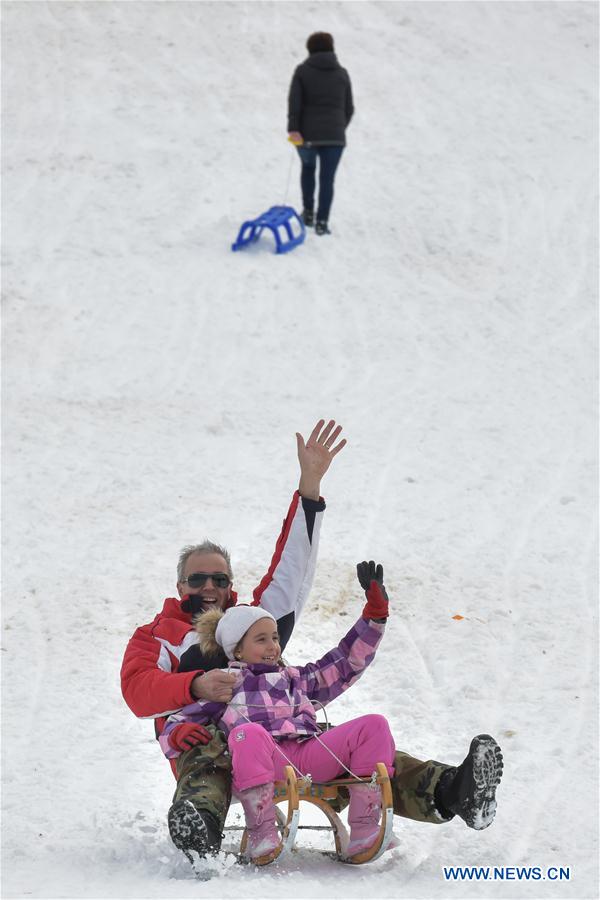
x,y
469,791
321,227
193,829
308,217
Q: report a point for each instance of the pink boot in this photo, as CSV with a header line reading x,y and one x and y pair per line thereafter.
x,y
363,817
264,840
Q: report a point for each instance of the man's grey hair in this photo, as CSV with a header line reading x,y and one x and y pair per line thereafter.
x,y
204,547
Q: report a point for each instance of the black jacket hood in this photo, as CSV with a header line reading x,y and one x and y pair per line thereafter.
x,y
323,59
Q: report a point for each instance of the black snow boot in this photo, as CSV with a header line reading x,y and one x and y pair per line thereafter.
x,y
308,217
193,829
469,791
321,227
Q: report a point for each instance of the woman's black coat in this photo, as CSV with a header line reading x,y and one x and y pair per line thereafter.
x,y
320,100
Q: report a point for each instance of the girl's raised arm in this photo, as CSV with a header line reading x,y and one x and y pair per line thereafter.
x,y
335,672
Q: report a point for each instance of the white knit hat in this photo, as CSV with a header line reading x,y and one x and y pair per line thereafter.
x,y
235,623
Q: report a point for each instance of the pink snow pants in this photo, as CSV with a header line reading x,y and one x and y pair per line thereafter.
x,y
361,743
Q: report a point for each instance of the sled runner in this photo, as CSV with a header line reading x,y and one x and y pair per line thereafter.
x,y
278,219
293,790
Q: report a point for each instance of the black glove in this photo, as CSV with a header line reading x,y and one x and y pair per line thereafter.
x,y
371,580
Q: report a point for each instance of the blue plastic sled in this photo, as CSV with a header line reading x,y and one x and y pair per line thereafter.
x,y
278,219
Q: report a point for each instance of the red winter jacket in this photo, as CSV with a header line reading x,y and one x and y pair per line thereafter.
x,y
151,684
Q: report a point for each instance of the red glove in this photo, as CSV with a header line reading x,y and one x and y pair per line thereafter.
x,y
371,579
186,736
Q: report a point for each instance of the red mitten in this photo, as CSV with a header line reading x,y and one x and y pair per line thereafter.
x,y
371,579
186,736
377,605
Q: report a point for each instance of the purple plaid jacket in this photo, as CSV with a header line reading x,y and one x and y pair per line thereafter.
x,y
280,698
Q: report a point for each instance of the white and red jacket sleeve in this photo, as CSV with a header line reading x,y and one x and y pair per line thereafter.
x,y
150,682
285,588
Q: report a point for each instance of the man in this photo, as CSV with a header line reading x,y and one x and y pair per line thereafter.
x,y
164,670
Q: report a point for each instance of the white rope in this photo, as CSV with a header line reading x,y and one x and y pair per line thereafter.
x,y
306,777
323,710
350,772
291,707
287,187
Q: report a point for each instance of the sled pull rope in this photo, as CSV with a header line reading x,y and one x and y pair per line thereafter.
x,y
350,772
289,175
318,703
324,711
307,777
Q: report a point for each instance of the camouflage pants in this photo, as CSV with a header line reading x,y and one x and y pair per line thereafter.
x,y
204,778
413,788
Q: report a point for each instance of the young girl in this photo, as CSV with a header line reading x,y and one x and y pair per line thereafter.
x,y
271,722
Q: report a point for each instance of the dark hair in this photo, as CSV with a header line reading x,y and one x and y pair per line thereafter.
x,y
319,41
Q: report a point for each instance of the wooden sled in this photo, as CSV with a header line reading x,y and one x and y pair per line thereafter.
x,y
292,791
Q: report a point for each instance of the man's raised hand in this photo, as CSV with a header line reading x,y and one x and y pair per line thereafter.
x,y
316,454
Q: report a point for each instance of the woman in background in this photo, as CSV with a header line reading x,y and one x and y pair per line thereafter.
x,y
319,110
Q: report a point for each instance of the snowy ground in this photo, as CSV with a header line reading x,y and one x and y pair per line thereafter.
x,y
153,382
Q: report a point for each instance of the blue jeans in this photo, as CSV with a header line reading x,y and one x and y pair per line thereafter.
x,y
329,158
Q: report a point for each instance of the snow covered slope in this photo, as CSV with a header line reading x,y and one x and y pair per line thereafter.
x,y
153,382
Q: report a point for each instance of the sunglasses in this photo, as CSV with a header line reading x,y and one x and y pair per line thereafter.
x,y
199,579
